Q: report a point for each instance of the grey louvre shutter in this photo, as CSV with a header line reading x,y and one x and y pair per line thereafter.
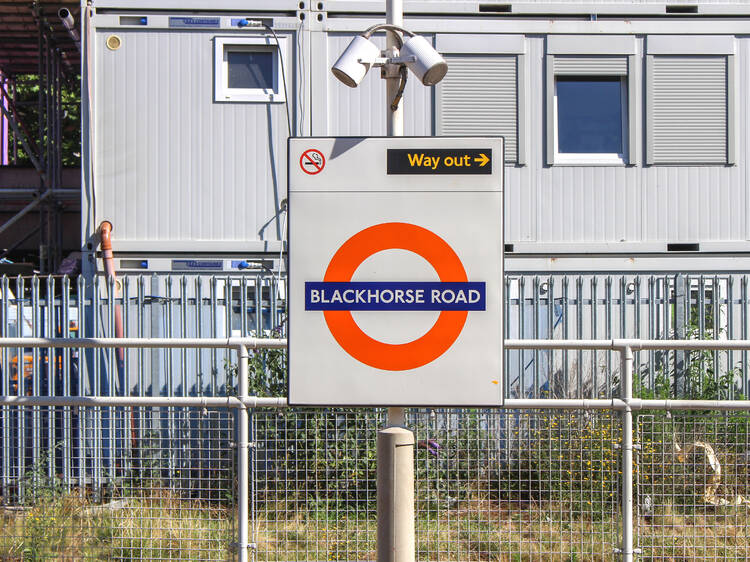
x,y
688,110
590,66
479,96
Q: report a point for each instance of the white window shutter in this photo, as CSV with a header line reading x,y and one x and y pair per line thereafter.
x,y
688,110
591,66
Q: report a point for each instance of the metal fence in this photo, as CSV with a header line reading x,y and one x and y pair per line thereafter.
x,y
553,306
204,478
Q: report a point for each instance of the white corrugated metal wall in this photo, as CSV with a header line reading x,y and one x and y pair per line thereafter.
x,y
176,170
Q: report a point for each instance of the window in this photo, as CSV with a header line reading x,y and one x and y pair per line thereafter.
x,y
248,69
590,119
690,100
482,93
590,92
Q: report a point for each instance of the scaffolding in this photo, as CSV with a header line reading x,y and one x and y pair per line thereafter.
x,y
39,199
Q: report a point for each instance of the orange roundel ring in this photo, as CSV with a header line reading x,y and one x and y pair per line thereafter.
x,y
398,236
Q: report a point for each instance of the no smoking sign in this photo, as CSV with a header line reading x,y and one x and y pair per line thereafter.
x,y
312,161
395,292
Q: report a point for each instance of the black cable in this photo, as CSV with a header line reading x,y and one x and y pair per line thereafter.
x,y
400,92
283,77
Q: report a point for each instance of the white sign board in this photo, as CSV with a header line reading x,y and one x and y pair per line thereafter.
x,y
396,271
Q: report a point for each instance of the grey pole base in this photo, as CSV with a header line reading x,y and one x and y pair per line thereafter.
x,y
395,486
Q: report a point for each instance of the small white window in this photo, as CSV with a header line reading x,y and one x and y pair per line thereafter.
x,y
591,120
248,69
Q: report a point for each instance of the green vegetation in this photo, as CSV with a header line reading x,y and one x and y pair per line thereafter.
x,y
26,101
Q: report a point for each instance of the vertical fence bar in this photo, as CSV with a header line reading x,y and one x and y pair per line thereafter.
x,y
96,415
65,373
82,332
594,335
214,287
243,446
579,332
550,334
653,328
626,392
522,334
537,319
258,307
112,374
730,329
36,433
5,384
743,331
506,334
48,311
565,335
636,321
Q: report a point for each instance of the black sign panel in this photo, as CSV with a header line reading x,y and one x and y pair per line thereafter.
x,y
441,161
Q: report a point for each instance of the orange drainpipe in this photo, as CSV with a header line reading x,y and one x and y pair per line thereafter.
x,y
105,232
105,235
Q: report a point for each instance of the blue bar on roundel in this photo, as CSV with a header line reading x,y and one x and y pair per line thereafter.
x,y
410,295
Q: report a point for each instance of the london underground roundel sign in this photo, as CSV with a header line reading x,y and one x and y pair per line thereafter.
x,y
394,284
338,296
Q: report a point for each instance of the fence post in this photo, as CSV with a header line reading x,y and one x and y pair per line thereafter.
x,y
243,464
626,391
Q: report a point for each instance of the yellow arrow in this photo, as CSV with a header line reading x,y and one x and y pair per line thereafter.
x,y
482,159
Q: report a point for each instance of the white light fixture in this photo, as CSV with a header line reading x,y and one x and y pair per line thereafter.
x,y
427,63
415,52
355,61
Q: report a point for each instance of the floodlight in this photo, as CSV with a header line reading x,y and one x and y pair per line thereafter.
x,y
423,60
355,61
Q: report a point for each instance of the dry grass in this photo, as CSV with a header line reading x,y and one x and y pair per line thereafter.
x,y
156,525
161,525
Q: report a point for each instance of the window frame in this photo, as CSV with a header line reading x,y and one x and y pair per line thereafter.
x,y
223,93
600,47
594,158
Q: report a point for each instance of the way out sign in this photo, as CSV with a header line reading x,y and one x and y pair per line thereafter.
x,y
396,271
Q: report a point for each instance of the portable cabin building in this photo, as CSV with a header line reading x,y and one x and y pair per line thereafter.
x,y
625,122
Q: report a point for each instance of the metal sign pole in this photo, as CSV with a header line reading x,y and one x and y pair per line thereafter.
x,y
395,443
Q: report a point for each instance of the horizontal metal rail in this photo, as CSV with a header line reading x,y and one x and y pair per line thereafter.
x,y
147,343
634,344
281,343
145,401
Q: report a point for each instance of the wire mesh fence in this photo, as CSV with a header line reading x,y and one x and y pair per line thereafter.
x,y
693,474
490,485
144,484
117,477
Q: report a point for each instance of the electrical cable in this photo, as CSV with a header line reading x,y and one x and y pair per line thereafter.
x,y
400,92
281,253
283,77
289,126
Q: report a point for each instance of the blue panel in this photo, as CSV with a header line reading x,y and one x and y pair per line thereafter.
x,y
193,22
394,296
589,115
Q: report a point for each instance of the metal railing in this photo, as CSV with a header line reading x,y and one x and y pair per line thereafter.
x,y
492,483
587,306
